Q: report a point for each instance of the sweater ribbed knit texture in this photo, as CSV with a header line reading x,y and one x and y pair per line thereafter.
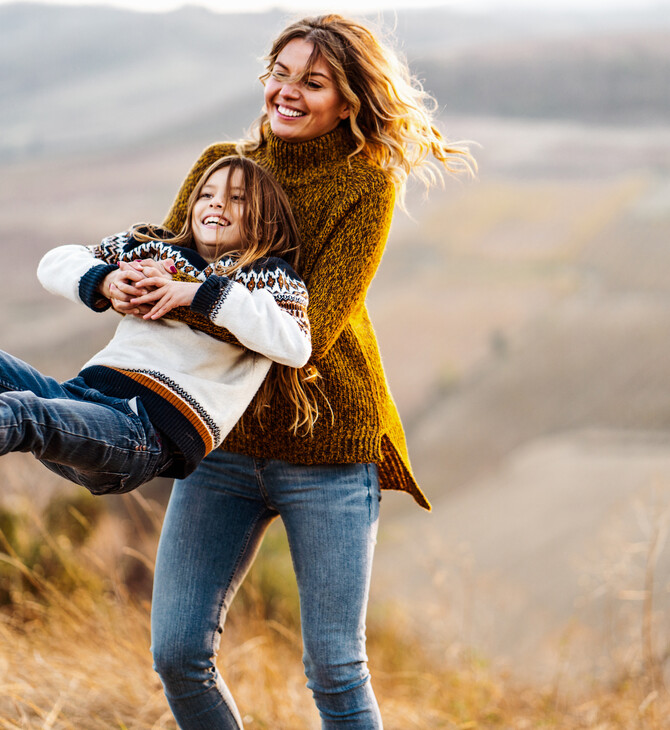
x,y
343,208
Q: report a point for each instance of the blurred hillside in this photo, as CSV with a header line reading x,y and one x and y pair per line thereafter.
x,y
80,79
522,317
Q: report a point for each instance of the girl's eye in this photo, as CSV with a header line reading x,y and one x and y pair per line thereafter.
x,y
237,198
277,74
313,84
205,195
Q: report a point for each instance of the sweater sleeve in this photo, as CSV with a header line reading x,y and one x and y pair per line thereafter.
x,y
266,312
339,279
75,273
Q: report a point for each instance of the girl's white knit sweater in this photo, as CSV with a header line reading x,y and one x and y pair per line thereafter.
x,y
193,387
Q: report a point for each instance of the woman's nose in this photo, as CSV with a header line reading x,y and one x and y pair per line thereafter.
x,y
289,91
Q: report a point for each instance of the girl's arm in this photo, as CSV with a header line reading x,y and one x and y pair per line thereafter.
x,y
85,273
271,320
266,311
76,274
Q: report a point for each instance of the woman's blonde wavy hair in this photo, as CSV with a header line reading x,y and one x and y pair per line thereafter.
x,y
267,228
391,116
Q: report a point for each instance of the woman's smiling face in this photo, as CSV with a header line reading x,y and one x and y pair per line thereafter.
x,y
302,108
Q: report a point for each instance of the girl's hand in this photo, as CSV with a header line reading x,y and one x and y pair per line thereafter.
x,y
165,295
151,268
119,287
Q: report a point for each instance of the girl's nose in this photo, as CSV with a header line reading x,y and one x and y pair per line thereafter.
x,y
216,203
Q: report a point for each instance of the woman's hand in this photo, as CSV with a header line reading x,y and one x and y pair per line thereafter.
x,y
121,286
164,295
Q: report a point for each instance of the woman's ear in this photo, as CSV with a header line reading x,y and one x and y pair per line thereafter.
x,y
345,111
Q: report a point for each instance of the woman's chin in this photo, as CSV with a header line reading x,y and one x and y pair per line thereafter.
x,y
287,130
283,133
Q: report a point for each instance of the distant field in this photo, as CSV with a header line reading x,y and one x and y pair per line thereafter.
x,y
529,304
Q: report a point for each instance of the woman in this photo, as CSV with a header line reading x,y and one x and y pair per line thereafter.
x,y
343,126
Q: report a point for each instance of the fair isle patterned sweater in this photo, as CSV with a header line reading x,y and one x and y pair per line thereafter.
x,y
193,387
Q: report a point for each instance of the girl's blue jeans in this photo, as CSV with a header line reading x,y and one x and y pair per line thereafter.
x,y
81,434
213,527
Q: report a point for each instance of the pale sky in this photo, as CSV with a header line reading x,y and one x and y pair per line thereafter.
x,y
364,6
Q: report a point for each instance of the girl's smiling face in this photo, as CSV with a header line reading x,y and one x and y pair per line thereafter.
x,y
302,108
217,213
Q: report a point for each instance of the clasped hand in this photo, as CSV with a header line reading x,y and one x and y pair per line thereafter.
x,y
146,289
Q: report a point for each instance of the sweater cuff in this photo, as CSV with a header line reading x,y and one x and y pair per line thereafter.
x,y
211,295
89,287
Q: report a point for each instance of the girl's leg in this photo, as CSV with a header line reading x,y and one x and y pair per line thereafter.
x,y
213,527
85,436
331,516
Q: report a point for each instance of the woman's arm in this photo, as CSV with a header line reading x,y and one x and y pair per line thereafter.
x,y
339,279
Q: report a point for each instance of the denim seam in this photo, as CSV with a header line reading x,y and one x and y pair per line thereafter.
x,y
347,688
208,709
262,489
240,555
219,624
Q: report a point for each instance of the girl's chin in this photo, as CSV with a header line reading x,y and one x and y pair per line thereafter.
x,y
209,252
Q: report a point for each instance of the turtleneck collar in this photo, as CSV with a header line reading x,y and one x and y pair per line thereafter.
x,y
310,154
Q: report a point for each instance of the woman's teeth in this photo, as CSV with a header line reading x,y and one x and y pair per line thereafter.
x,y
286,112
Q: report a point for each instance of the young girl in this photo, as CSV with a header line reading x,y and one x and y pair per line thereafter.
x,y
161,395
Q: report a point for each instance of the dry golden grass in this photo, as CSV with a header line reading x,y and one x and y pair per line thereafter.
x,y
75,648
84,664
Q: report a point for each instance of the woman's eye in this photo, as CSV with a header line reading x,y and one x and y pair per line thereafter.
x,y
277,75
313,85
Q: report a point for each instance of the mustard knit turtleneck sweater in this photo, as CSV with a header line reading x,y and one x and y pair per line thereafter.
x,y
343,208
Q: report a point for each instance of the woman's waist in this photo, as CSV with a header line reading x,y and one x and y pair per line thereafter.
x,y
354,407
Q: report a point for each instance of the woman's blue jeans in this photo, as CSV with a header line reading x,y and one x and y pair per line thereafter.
x,y
213,528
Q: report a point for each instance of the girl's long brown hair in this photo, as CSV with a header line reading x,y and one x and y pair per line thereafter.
x,y
267,228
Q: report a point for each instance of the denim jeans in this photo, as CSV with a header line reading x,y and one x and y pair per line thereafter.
x,y
91,439
213,528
